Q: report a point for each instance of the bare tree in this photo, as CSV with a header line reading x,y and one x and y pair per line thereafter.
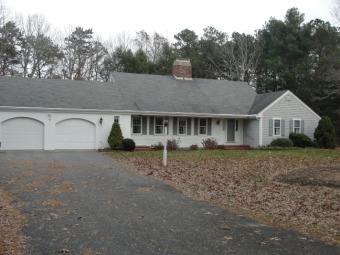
x,y
336,10
95,63
151,45
4,14
122,40
40,54
234,58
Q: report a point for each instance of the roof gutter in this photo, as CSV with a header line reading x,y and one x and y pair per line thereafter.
x,y
107,111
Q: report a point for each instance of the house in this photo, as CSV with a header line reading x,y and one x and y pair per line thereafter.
x,y
47,114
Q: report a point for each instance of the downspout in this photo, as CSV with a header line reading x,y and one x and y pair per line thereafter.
x,y
260,119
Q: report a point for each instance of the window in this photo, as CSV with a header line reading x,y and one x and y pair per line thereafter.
x,y
159,125
277,127
116,119
137,125
202,126
182,126
297,126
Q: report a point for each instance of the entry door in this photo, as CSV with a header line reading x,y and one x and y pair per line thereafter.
x,y
231,130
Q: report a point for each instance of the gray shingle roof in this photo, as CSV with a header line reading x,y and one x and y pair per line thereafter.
x,y
263,100
134,92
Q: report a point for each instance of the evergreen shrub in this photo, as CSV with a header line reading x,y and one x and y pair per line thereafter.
x,y
128,144
301,140
157,146
194,147
324,134
115,138
281,142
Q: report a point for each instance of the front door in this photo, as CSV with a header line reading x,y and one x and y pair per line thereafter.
x,y
231,130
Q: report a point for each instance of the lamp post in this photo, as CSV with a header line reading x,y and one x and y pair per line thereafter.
x,y
165,152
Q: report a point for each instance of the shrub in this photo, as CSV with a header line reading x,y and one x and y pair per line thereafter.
x,y
301,140
221,147
324,133
128,144
157,146
194,147
115,138
281,142
209,144
268,148
172,144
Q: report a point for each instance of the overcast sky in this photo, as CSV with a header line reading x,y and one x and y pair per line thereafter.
x,y
111,17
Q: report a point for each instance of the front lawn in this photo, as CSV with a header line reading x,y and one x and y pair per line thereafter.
x,y
297,189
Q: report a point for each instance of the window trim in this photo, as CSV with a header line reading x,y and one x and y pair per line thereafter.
x,y
300,124
199,126
116,118
280,124
185,127
155,126
141,125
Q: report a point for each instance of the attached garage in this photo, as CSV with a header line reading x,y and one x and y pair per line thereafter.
x,y
75,134
22,134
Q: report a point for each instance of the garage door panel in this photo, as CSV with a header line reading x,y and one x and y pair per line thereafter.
x,y
22,134
75,134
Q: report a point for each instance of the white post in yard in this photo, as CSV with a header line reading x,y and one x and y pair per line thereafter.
x,y
165,152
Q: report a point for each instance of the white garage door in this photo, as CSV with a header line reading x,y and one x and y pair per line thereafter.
x,y
22,134
75,134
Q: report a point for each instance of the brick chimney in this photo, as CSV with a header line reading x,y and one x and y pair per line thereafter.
x,y
181,69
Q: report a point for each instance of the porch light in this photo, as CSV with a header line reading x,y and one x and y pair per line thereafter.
x,y
218,122
101,120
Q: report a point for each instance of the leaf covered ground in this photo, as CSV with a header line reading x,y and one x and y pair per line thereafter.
x,y
11,222
295,189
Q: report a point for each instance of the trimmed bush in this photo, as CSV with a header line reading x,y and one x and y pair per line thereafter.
x,y
301,140
128,144
209,144
324,134
194,147
268,148
172,144
221,147
157,146
115,138
281,142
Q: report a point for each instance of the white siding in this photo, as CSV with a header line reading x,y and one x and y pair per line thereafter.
x,y
218,132
287,110
251,132
49,121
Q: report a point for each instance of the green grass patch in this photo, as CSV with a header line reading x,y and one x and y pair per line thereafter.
x,y
197,155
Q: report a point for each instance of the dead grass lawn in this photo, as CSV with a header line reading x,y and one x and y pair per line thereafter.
x,y
298,190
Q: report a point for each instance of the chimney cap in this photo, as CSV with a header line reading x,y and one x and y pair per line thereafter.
x,y
182,62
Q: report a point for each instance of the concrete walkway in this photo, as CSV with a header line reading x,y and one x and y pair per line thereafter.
x,y
85,203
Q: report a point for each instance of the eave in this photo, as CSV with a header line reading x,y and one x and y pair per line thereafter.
x,y
124,112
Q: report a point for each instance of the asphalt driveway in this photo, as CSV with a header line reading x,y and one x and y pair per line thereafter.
x,y
85,203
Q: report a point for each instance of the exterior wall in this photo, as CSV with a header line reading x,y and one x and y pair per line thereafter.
x,y
288,108
218,132
51,119
251,132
